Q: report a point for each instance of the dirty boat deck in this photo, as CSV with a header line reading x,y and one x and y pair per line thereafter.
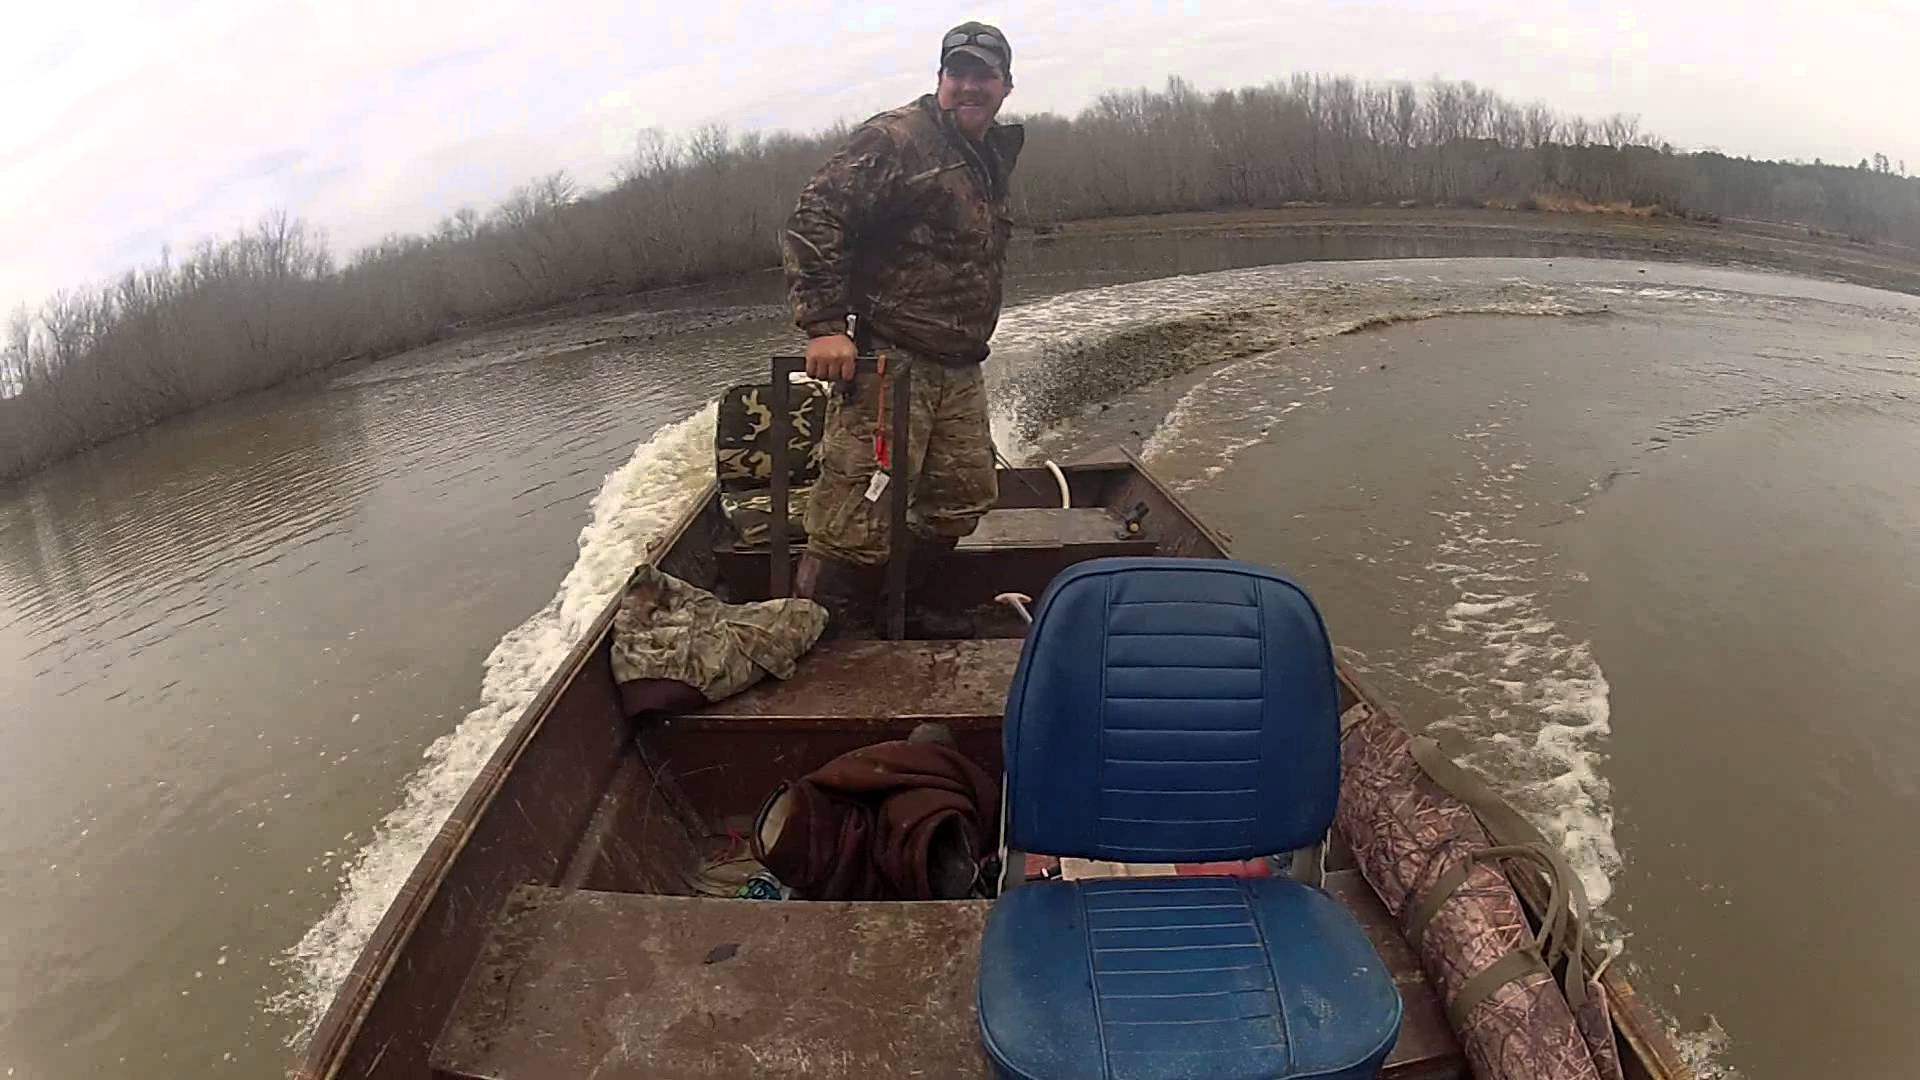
x,y
553,928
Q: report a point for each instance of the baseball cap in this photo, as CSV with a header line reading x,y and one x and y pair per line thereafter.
x,y
981,41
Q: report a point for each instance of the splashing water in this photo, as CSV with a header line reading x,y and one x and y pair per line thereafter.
x,y
637,503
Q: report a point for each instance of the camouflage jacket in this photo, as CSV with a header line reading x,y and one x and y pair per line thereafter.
x,y
907,226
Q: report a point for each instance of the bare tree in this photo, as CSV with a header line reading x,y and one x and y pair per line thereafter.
x,y
553,191
1619,130
1541,125
708,145
654,156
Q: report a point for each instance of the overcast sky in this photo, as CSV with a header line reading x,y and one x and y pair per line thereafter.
x,y
126,126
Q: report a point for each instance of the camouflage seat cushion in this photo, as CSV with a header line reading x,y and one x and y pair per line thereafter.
x,y
750,512
743,459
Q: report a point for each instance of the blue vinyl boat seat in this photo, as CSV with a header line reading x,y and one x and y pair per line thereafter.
x,y
1175,711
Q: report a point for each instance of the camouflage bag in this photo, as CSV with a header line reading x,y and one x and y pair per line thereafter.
x,y
1432,841
743,456
668,630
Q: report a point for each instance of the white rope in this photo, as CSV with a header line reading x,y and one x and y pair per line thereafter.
x,y
1066,497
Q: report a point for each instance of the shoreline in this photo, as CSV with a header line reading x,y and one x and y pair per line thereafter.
x,y
651,313
1793,249
1767,245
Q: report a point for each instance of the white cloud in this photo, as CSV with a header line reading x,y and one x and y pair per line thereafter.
x,y
126,126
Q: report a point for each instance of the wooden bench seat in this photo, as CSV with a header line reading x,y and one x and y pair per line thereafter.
x,y
1052,527
726,756
1019,528
1014,549
906,681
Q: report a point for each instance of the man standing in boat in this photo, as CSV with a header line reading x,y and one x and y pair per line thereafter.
x,y
905,228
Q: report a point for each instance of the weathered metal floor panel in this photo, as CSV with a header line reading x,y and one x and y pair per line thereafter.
x,y
617,985
624,985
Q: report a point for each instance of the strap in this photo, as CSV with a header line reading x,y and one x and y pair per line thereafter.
x,y
1553,927
1309,864
882,455
1514,965
1504,823
1562,924
1434,899
756,838
1355,713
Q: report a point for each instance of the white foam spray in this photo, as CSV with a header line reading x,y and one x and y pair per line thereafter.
x,y
1532,701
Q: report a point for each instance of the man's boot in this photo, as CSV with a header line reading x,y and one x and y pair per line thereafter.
x,y
845,589
926,558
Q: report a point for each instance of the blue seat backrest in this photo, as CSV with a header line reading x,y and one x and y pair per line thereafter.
x,y
1172,710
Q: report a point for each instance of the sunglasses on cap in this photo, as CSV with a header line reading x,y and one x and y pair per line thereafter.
x,y
976,37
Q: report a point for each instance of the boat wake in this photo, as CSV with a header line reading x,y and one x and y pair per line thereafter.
x,y
1514,694
1704,1049
1059,358
1527,703
1506,687
637,503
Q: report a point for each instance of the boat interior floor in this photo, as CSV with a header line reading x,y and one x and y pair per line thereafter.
x,y
613,984
641,963
609,985
633,968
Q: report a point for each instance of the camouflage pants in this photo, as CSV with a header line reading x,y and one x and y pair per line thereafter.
x,y
949,460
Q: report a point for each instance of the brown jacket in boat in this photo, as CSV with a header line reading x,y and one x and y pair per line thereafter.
x,y
885,822
907,226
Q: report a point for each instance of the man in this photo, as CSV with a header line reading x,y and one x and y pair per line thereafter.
x,y
906,228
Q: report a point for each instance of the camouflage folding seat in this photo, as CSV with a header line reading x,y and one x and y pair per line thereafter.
x,y
743,461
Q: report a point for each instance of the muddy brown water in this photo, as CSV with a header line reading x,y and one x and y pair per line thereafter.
x,y
1639,544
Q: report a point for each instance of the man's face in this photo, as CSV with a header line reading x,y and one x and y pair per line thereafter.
x,y
972,90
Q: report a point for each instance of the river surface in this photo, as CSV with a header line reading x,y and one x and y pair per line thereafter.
x,y
1639,541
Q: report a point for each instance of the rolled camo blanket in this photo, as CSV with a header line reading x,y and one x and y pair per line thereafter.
x,y
1436,865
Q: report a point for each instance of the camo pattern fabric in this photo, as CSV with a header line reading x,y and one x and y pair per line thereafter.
x,y
1406,832
948,462
668,629
743,435
743,457
906,226
751,514
1595,1020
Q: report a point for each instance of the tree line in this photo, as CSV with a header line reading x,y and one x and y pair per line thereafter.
x,y
249,311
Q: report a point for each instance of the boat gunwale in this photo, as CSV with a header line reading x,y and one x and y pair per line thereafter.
x,y
339,1026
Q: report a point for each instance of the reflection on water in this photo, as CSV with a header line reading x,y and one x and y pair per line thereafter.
x,y
149,505
225,642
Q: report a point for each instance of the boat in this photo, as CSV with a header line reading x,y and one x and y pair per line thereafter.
x,y
550,929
